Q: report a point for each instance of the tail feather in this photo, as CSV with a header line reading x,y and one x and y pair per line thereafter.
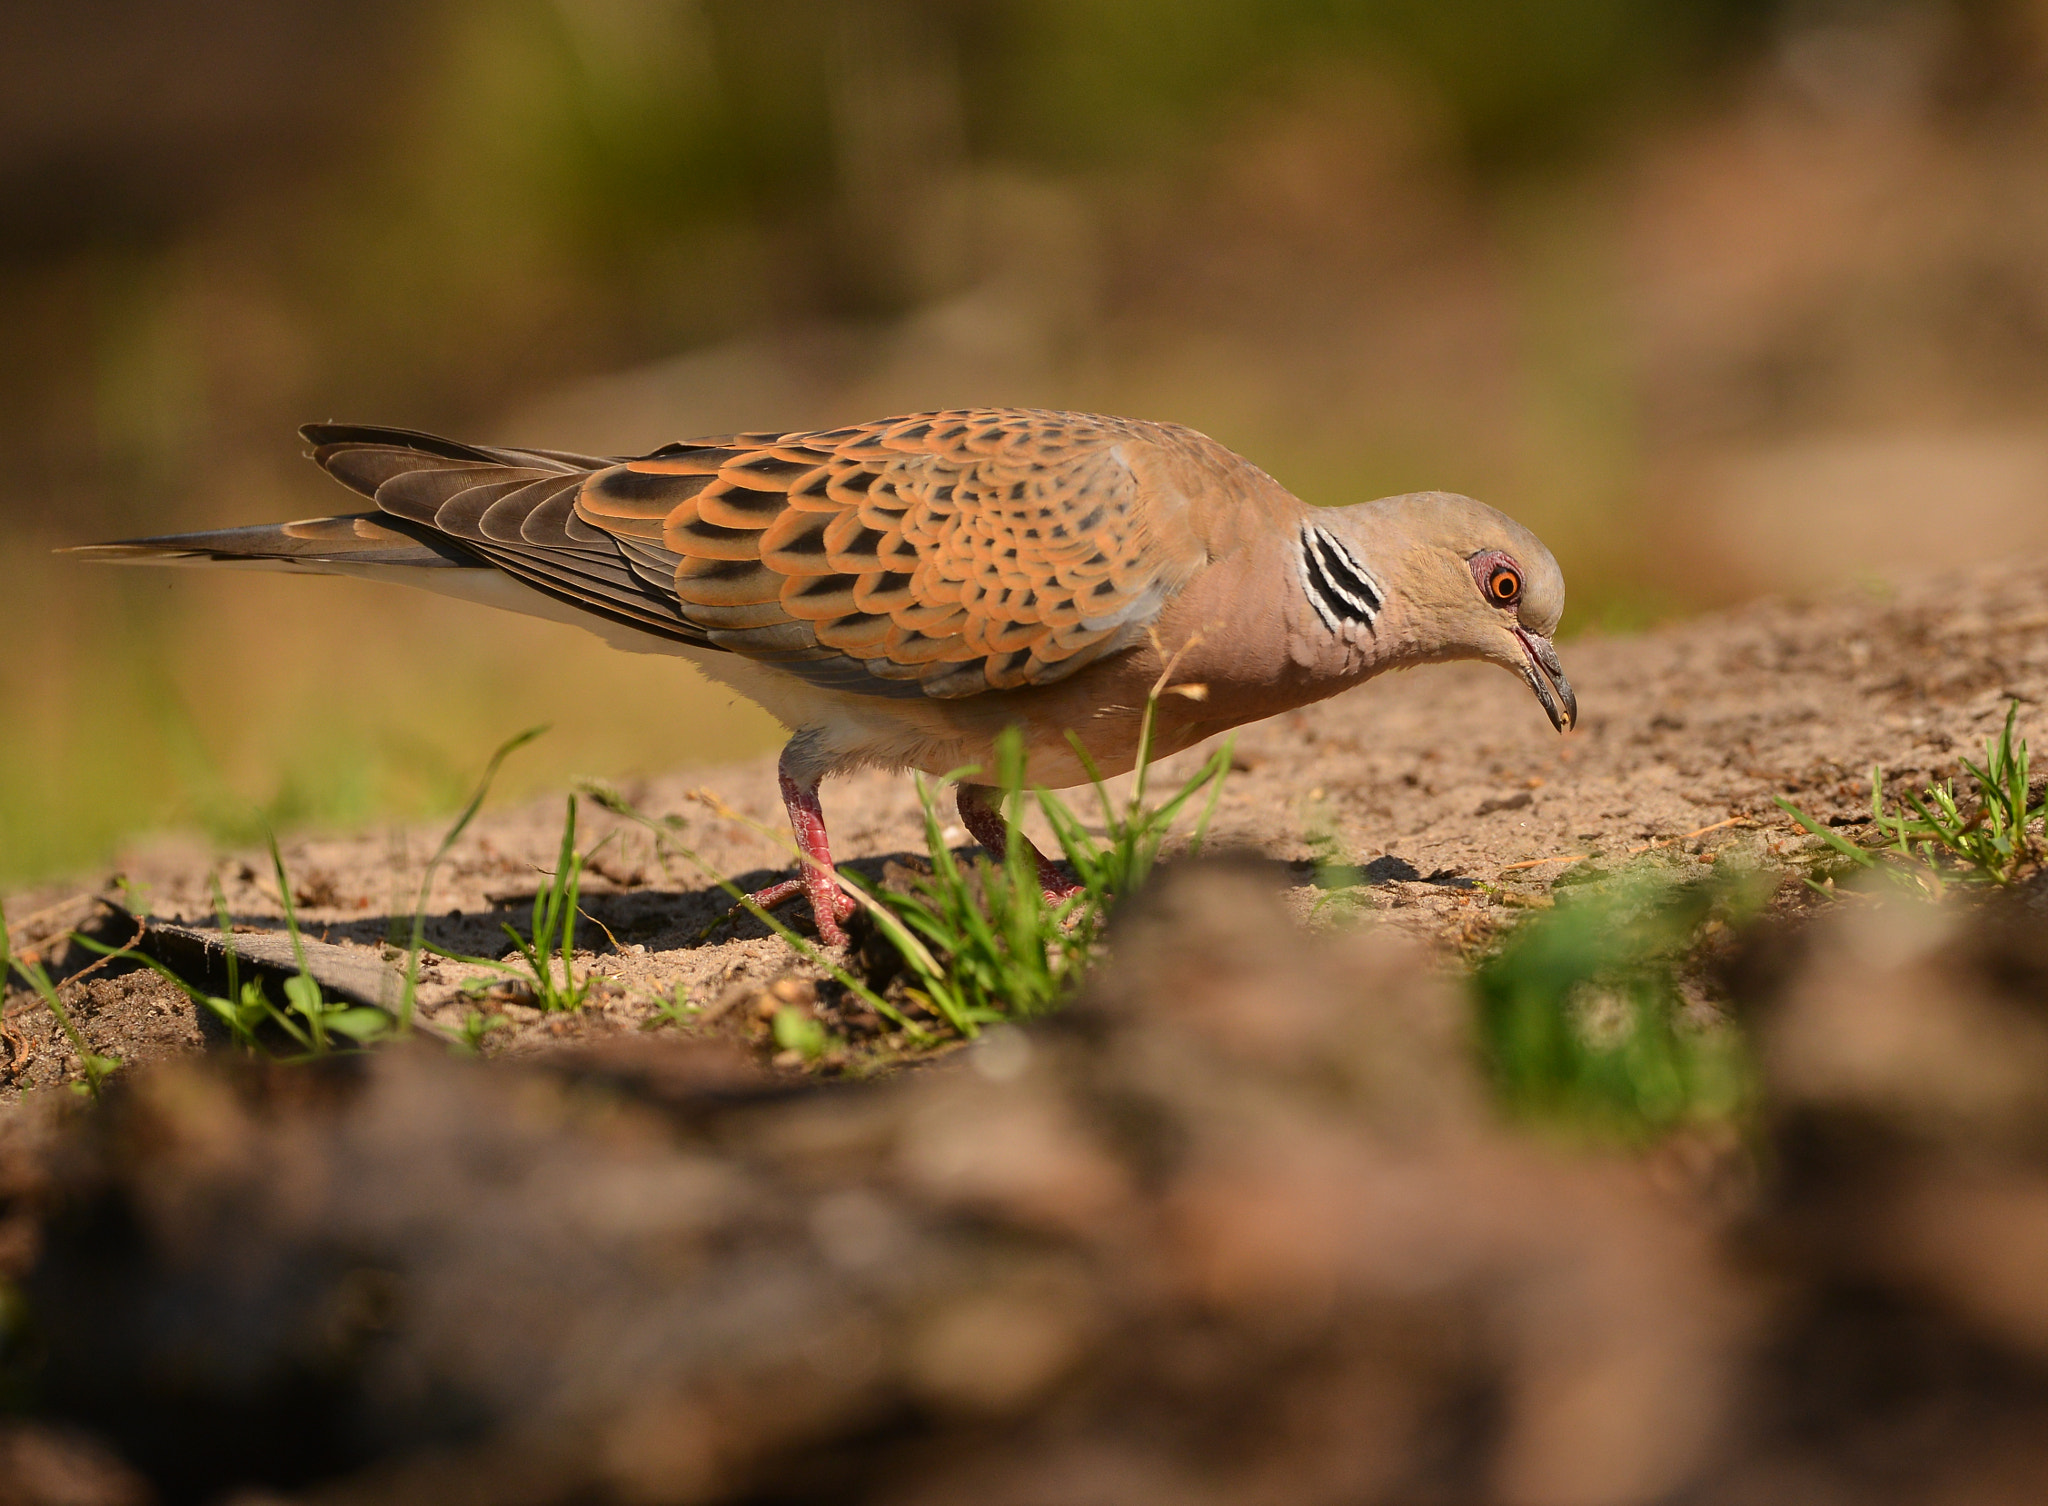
x,y
416,472
311,544
363,457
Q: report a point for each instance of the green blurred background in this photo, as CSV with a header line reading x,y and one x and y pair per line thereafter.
x,y
1721,296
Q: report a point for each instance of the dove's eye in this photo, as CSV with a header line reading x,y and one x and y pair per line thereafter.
x,y
1499,578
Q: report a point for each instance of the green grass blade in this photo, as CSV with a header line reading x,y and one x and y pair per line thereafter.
x,y
306,996
1213,774
409,985
1840,844
97,1068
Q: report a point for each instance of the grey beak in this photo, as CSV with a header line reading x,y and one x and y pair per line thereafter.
x,y
1546,677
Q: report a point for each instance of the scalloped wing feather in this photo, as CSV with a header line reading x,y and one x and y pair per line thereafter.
x,y
950,552
939,554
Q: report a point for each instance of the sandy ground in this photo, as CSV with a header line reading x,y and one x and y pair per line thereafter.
x,y
1446,786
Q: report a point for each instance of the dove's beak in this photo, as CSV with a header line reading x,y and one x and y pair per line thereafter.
x,y
1546,677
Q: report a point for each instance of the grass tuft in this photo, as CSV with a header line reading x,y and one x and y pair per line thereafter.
x,y
306,1018
1581,1018
477,1024
1931,842
984,943
552,938
547,952
981,940
797,1029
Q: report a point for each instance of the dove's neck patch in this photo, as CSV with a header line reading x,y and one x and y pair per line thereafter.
x,y
1341,590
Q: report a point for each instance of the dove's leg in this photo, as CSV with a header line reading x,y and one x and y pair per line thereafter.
x,y
830,905
980,816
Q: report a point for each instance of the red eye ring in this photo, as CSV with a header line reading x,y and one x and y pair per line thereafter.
x,y
1498,577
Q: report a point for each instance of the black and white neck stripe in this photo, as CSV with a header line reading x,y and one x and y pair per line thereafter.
x,y
1339,588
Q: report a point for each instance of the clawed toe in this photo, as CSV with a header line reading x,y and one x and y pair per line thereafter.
x,y
772,896
830,911
836,908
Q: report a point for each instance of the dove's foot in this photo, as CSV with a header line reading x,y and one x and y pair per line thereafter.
x,y
816,879
831,906
979,815
831,910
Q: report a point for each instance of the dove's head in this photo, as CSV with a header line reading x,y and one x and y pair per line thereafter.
x,y
1433,576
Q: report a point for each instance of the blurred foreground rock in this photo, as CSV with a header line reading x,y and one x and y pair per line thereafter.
x,y
1240,1227
1905,1222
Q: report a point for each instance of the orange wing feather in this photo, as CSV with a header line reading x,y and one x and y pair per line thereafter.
x,y
939,554
950,553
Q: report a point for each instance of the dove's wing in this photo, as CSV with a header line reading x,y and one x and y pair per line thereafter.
x,y
942,554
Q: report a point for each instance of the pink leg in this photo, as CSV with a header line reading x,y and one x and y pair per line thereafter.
x,y
979,815
830,905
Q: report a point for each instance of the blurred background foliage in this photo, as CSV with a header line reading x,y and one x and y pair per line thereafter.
x,y
1719,295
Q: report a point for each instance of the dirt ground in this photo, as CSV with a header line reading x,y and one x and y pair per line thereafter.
x,y
1240,1227
1444,785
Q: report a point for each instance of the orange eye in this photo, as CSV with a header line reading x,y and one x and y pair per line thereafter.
x,y
1498,575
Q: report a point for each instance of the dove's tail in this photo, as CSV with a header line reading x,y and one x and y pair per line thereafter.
x,y
375,544
383,546
356,544
368,546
